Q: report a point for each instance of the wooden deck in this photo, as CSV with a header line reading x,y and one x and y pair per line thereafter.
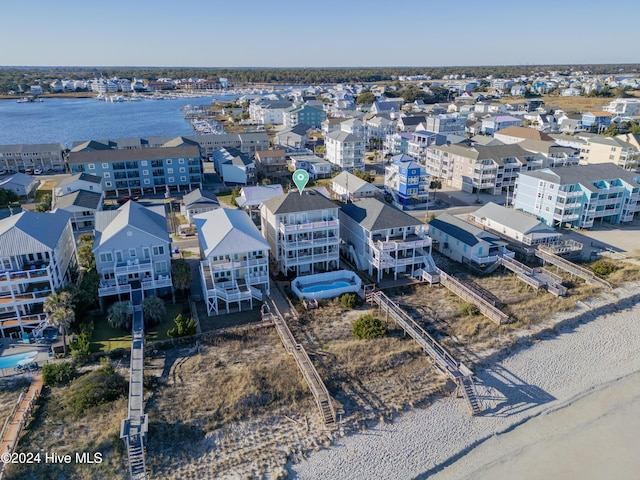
x,y
545,253
442,359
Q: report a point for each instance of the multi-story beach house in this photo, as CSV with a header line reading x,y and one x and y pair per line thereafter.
x,y
198,201
133,251
578,197
148,170
82,205
267,112
347,187
446,124
384,240
79,181
303,232
28,157
272,164
37,257
500,122
234,167
602,149
407,181
345,150
234,266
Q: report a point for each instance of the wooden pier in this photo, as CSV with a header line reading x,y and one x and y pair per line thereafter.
x,y
443,360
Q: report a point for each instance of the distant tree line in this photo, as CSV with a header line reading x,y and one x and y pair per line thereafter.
x,y
11,77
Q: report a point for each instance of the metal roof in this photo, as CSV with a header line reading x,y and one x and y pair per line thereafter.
x,y
513,219
227,231
111,222
134,154
200,197
463,231
31,232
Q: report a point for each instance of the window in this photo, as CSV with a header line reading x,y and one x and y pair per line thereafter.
x,y
147,181
145,172
106,257
181,160
91,166
118,256
182,170
107,184
169,170
548,197
133,253
106,174
145,253
105,165
169,161
158,250
172,179
160,267
183,179
144,163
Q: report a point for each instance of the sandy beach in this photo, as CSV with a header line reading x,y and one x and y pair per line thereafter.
x,y
572,398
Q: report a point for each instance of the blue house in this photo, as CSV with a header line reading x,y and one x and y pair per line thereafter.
x,y
406,181
596,120
136,171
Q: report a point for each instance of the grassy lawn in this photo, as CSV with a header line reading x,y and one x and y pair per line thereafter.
x,y
105,338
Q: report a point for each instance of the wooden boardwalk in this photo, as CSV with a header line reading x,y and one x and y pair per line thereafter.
x,y
18,418
535,277
271,312
442,359
133,430
545,253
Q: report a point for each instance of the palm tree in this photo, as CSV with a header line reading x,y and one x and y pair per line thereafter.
x,y
63,318
118,315
154,310
61,314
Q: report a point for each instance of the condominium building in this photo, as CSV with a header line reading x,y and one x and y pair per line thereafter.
x,y
303,232
272,164
384,240
28,157
578,197
133,251
235,259
477,168
38,256
267,112
602,149
446,124
141,170
306,114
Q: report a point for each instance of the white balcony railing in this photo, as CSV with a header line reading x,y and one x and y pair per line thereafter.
x,y
301,227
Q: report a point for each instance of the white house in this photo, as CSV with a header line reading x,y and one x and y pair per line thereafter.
x,y
79,181
384,240
303,232
233,166
38,256
346,186
234,265
82,205
20,184
314,165
345,150
198,201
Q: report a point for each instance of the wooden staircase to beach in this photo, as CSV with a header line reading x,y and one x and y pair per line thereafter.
x,y
271,312
442,359
546,254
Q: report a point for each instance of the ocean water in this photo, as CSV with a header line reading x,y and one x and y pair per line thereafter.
x,y
66,120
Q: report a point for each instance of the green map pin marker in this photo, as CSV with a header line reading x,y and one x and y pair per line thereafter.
x,y
300,178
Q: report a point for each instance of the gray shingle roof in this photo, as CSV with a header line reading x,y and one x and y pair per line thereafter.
x,y
135,154
341,136
514,219
354,184
200,197
294,202
373,214
460,230
86,177
79,198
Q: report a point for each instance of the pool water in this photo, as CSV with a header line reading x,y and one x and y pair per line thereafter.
x,y
11,361
323,287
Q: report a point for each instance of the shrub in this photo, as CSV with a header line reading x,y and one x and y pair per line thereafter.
x,y
81,348
58,373
348,300
100,386
184,327
603,267
368,326
468,308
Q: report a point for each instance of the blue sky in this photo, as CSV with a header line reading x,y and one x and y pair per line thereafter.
x,y
288,33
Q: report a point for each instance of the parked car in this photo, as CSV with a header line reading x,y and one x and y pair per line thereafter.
x,y
37,171
3,172
126,198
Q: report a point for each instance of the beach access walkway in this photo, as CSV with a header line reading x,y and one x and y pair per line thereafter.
x,y
18,418
275,309
134,428
443,360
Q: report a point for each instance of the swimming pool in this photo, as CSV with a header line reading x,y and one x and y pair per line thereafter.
x,y
326,285
323,287
11,361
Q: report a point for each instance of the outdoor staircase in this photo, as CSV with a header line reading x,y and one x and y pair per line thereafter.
x,y
546,254
442,359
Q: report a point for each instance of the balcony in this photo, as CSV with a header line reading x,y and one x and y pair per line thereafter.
x,y
133,266
112,288
31,274
161,282
565,194
328,240
302,227
20,298
304,259
399,244
25,320
232,265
